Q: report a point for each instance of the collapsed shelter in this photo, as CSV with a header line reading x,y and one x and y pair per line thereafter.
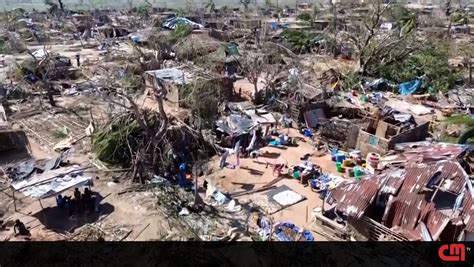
x,y
427,200
176,79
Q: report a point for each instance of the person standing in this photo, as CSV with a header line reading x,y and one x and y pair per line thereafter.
x,y
78,60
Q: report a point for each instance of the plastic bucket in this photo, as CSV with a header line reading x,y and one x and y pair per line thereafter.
x,y
347,163
296,174
340,157
339,167
373,159
358,172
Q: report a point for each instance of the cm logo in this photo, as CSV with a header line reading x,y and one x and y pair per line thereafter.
x,y
452,252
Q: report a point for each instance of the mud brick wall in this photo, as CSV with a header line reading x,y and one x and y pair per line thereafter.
x,y
418,133
336,129
367,143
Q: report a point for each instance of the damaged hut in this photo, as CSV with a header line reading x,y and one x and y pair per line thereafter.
x,y
195,45
48,63
12,142
426,200
352,127
180,81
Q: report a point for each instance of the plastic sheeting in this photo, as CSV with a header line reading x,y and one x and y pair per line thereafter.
x,y
287,197
52,182
235,124
173,22
172,75
409,88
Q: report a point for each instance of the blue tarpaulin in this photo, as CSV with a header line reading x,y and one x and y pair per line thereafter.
x,y
282,236
409,88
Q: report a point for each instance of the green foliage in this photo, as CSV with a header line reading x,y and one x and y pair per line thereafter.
x,y
113,142
404,18
459,18
3,46
304,16
352,81
460,120
316,11
132,83
182,30
301,41
60,132
431,61
202,98
144,10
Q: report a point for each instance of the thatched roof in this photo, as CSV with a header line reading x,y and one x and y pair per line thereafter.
x,y
196,45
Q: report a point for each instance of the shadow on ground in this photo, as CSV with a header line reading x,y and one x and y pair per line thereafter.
x,y
57,219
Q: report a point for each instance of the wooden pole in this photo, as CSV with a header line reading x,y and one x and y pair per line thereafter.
x,y
14,199
42,211
195,187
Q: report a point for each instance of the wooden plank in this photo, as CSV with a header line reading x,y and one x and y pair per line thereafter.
x,y
238,194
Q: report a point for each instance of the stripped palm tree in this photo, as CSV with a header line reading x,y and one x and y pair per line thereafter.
x,y
210,6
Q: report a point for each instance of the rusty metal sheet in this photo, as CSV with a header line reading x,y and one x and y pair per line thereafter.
x,y
423,152
354,199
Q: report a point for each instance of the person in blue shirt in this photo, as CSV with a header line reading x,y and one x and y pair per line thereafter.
x,y
60,201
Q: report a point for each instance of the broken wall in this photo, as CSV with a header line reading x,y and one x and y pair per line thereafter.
x,y
339,130
367,142
14,145
418,133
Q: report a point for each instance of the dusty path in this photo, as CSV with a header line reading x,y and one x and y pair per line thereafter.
x,y
252,175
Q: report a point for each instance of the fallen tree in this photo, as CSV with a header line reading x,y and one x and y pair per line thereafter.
x,y
148,141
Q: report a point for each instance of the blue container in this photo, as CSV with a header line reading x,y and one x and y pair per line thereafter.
x,y
333,154
340,157
307,133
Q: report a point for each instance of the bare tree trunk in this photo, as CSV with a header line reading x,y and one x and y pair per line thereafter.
x,y
448,15
255,97
50,96
49,90
335,29
469,66
61,5
159,94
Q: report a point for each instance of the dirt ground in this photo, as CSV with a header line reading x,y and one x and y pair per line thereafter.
x,y
252,175
137,210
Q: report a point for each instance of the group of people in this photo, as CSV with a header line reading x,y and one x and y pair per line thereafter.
x,y
81,202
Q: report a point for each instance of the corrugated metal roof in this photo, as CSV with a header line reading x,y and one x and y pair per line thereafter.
x,y
410,203
354,199
425,151
468,212
451,174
